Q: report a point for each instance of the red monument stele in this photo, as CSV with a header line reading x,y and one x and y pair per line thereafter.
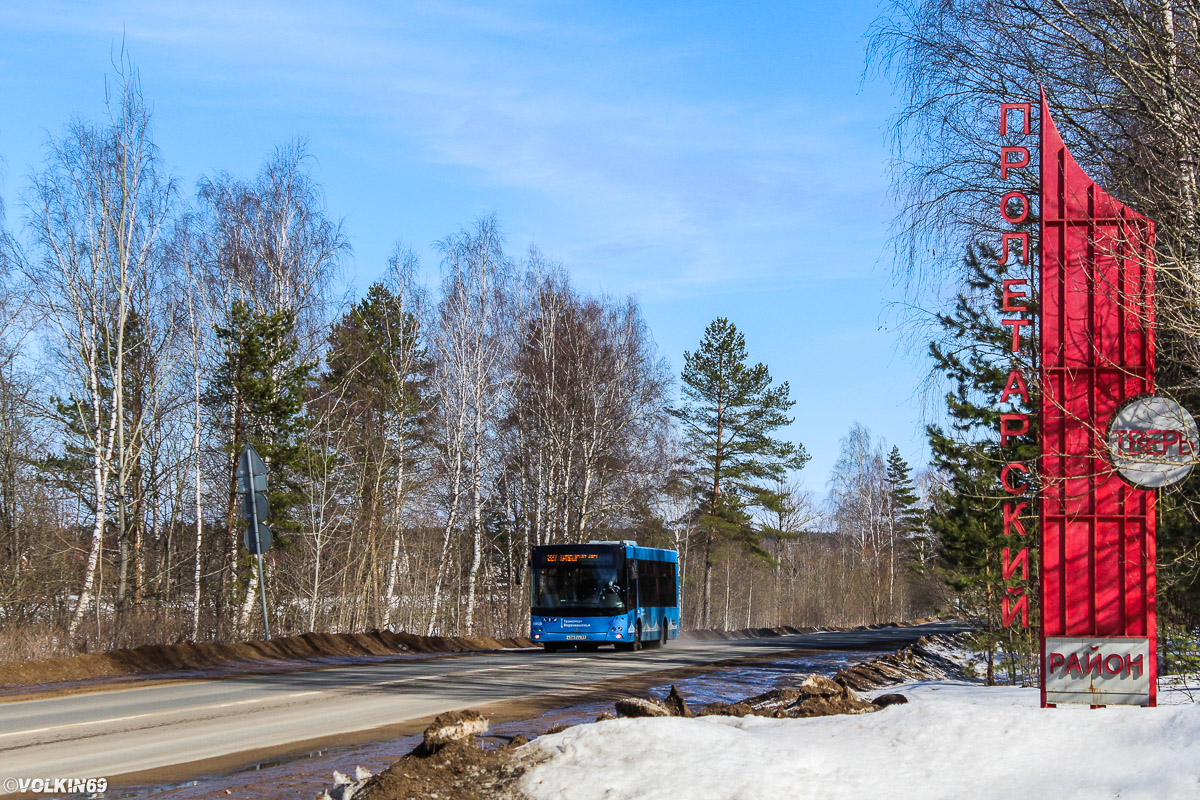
x,y
1097,353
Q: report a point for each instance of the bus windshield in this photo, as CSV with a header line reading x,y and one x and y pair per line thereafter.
x,y
578,586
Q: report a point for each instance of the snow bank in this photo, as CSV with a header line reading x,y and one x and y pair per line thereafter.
x,y
952,740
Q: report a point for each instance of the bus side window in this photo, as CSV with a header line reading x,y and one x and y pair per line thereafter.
x,y
660,584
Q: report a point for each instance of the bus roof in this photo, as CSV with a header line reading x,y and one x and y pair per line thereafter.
x,y
631,550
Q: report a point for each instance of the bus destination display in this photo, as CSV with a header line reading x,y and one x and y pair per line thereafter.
x,y
597,559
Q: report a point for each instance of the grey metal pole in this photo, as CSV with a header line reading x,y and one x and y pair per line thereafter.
x,y
262,582
258,547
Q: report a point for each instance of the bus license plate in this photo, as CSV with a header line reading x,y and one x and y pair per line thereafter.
x,y
575,636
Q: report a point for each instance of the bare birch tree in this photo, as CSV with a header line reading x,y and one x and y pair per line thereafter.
x,y
268,244
858,500
409,409
470,345
97,210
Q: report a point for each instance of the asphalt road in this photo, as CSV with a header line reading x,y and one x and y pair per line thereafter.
x,y
110,733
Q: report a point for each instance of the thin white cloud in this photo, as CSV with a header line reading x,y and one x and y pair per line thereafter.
x,y
567,112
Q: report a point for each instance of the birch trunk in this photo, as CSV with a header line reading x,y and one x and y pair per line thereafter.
x,y
476,526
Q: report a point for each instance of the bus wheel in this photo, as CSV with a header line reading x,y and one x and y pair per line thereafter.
x,y
662,642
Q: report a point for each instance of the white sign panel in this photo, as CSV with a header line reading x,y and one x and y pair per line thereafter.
x,y
1097,671
1153,442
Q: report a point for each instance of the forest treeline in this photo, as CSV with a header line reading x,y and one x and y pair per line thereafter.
x,y
420,438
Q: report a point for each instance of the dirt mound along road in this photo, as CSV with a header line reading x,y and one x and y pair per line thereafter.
x,y
912,663
198,656
151,659
710,634
447,764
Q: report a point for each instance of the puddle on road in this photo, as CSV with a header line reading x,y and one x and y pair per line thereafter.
x,y
302,777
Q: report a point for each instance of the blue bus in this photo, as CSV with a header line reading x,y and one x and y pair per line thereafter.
x,y
585,595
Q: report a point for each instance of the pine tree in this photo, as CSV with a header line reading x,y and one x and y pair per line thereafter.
x,y
257,392
729,415
379,370
69,469
374,392
974,358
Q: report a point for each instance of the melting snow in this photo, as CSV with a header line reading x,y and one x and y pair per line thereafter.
x,y
952,740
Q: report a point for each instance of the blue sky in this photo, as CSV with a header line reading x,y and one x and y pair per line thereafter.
x,y
712,159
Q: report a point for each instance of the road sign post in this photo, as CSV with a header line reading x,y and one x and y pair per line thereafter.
x,y
252,479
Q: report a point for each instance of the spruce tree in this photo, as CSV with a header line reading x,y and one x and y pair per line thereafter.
x,y
905,518
729,415
903,504
1177,535
973,356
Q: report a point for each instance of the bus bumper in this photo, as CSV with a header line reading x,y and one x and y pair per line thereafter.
x,y
595,629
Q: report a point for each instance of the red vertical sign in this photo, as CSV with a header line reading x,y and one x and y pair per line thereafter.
x,y
1097,350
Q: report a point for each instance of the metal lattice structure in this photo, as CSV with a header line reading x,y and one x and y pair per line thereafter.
x,y
1097,351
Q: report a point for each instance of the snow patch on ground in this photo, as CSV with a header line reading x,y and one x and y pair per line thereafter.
x,y
952,740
